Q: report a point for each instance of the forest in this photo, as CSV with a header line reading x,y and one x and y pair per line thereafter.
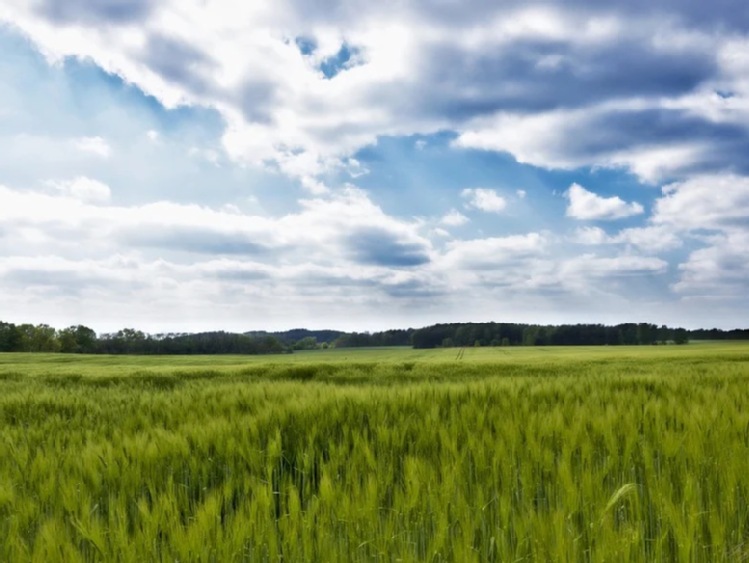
x,y
84,340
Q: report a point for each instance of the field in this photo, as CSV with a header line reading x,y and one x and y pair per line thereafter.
x,y
496,454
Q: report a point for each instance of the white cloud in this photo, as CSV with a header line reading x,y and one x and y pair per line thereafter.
x,y
277,103
649,239
714,209
346,227
83,189
494,252
718,270
586,205
704,202
590,236
94,145
484,199
454,218
529,80
573,138
538,138
594,266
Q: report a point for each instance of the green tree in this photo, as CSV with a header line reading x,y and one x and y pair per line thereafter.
x,y
681,336
11,338
77,339
306,343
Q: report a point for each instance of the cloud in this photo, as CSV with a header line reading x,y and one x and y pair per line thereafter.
x,y
189,238
484,199
586,205
454,218
94,145
347,224
494,252
188,109
579,84
591,236
593,265
713,209
648,239
379,247
641,136
95,11
705,202
83,189
719,270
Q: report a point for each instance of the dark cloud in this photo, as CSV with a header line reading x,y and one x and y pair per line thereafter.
x,y
715,14
712,15
723,145
544,75
177,61
379,247
257,99
95,11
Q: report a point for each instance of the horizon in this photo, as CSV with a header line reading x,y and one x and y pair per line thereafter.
x,y
180,166
375,331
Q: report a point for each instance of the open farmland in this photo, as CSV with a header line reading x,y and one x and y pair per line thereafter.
x,y
495,454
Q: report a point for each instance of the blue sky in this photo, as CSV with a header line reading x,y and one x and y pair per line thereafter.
x,y
200,165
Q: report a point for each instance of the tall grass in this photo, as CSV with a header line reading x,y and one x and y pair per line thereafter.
x,y
583,458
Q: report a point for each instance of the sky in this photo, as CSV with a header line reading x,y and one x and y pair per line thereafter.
x,y
188,165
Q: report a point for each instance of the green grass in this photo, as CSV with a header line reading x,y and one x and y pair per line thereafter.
x,y
509,454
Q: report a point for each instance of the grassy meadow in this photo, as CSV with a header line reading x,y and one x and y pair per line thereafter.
x,y
495,454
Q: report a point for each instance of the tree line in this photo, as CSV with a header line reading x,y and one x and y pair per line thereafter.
x,y
84,340
513,334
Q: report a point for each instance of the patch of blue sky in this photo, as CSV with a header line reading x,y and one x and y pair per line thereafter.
x,y
332,66
306,45
425,175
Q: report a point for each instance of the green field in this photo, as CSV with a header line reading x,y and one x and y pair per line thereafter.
x,y
496,454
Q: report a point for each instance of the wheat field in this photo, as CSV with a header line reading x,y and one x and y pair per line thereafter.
x,y
557,454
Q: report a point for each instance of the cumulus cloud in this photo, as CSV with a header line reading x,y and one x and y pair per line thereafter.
x,y
713,209
493,252
94,145
346,224
484,199
586,205
83,189
380,247
654,238
454,218
590,236
592,265
720,270
705,202
555,85
658,90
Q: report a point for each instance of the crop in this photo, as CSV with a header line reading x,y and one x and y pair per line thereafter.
x,y
527,454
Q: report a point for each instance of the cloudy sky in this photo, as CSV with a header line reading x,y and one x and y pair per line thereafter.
x,y
212,164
